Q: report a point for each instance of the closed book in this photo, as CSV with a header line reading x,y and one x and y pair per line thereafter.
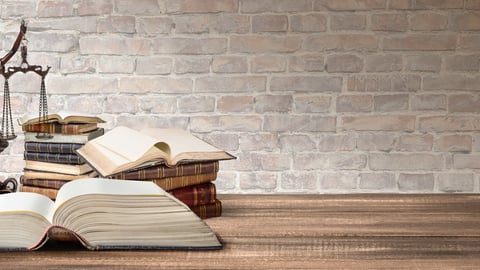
x,y
51,193
170,183
31,174
58,168
53,157
55,127
61,148
163,171
210,210
196,195
65,138
43,183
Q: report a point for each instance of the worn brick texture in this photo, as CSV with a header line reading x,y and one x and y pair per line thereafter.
x,y
312,96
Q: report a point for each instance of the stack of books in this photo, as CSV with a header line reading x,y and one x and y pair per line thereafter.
x,y
174,159
50,150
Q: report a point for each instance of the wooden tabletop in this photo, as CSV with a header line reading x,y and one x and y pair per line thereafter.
x,y
364,231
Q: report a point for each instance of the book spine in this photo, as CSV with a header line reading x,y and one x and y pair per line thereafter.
x,y
42,183
208,210
49,192
53,157
172,183
42,128
65,138
163,171
196,195
60,148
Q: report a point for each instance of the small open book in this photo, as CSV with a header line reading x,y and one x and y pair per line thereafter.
x,y
62,117
123,149
104,214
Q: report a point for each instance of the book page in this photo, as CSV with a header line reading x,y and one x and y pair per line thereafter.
x,y
26,201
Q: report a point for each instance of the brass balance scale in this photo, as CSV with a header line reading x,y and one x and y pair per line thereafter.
x,y
7,131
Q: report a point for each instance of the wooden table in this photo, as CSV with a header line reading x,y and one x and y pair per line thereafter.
x,y
362,231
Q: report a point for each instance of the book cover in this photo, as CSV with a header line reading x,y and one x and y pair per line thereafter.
x,y
53,157
47,147
65,138
196,195
59,128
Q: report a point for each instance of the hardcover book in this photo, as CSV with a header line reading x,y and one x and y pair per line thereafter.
x,y
163,171
57,167
123,149
59,128
61,148
53,157
62,117
104,214
196,195
65,138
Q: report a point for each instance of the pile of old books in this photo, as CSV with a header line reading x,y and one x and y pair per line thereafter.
x,y
174,159
50,145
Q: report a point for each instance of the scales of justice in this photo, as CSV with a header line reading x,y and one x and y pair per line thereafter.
x,y
7,131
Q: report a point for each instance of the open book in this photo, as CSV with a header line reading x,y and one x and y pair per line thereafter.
x,y
62,117
104,214
123,149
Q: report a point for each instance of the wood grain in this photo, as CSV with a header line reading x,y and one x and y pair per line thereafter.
x,y
361,231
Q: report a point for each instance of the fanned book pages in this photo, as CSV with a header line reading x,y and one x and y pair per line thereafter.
x,y
104,214
123,149
62,117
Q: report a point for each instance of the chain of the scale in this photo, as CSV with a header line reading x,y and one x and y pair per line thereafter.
x,y
7,120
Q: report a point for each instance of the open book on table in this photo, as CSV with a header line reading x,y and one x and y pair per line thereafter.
x,y
123,149
62,117
104,214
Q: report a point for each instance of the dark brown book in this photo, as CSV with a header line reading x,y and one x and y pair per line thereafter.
x,y
171,183
164,171
43,183
205,211
196,195
55,127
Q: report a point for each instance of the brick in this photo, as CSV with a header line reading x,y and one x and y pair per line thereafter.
x,y
354,103
77,64
81,85
189,45
273,161
153,25
242,123
329,161
335,182
348,5
298,181
114,46
153,65
299,123
268,63
227,142
462,62
141,7
400,4
420,42
416,182
312,104
378,181
376,142
344,63
140,122
469,21
295,143
466,161
269,23
52,42
469,42
115,64
427,63
229,64
378,123
239,104
264,181
383,63
192,64
154,84
158,104
273,103
308,62
94,7
472,4
11,164
90,104
121,104
308,23
428,21
258,142
211,23
306,83
81,24
464,103
253,6
58,8
389,22
429,102
453,143
448,123
409,162
341,42
456,182
451,82
476,142
226,182
242,84
204,6
348,22
116,24
390,103
383,83
407,82
195,104
264,44
336,142
19,9
415,143
435,4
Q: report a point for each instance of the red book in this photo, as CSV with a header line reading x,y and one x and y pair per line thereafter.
x,y
196,195
205,211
